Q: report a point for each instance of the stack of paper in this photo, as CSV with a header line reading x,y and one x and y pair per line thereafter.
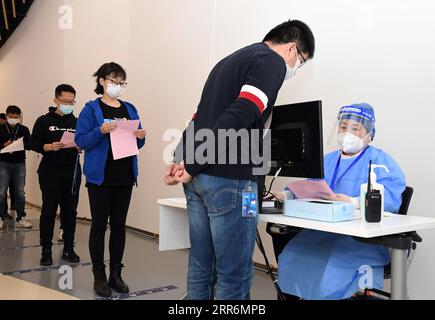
x,y
15,146
68,140
123,139
311,189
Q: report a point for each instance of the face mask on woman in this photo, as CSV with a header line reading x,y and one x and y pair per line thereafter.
x,y
114,91
350,143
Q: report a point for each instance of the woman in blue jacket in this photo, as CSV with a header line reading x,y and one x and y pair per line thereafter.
x,y
109,182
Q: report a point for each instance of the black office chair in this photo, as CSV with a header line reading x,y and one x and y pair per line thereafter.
x,y
282,234
403,210
406,200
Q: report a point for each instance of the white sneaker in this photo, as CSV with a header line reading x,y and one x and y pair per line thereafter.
x,y
1,224
12,213
23,223
60,236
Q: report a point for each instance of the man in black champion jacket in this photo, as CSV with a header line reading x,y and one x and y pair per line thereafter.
x,y
59,173
220,185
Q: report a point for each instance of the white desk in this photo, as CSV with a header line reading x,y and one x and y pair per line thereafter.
x,y
173,224
390,224
174,233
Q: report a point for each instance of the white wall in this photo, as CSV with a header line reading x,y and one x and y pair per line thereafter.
x,y
380,52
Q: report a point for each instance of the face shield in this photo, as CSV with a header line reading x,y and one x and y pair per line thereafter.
x,y
353,130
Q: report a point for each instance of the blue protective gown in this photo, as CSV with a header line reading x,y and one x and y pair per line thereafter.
x,y
320,265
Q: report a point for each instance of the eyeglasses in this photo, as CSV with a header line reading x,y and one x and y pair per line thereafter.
x,y
123,84
303,60
68,103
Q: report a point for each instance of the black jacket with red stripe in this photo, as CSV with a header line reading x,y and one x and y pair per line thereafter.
x,y
239,94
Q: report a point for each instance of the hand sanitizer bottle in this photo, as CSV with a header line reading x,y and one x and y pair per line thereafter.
x,y
375,186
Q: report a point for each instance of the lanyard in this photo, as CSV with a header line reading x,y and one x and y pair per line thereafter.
x,y
334,177
75,176
14,136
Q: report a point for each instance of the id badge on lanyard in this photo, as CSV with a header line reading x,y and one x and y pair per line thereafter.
x,y
336,179
14,136
249,203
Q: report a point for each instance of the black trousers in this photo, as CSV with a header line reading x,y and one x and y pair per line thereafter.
x,y
56,187
108,203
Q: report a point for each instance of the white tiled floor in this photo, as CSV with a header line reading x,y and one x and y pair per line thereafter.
x,y
146,267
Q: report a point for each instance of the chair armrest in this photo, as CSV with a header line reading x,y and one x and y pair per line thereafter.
x,y
416,237
281,229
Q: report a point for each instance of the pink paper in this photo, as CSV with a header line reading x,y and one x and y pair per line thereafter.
x,y
123,139
68,140
311,189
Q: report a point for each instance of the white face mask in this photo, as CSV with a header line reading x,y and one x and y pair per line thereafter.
x,y
13,122
350,143
113,91
291,72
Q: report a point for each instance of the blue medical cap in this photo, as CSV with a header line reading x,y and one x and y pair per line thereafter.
x,y
362,113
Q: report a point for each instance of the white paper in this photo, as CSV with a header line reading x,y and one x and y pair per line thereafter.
x,y
15,146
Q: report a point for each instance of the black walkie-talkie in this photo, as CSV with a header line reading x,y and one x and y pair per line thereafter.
x,y
373,201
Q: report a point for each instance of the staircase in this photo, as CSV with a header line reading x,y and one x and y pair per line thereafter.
x,y
12,12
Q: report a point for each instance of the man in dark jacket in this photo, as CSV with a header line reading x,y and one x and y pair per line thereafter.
x,y
237,100
59,173
6,215
13,164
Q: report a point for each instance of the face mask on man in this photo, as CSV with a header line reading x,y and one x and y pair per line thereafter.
x,y
114,91
350,143
65,109
13,122
291,71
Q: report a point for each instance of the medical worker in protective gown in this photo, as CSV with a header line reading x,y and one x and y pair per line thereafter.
x,y
320,265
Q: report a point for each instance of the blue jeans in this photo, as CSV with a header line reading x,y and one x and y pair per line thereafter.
x,y
17,173
222,241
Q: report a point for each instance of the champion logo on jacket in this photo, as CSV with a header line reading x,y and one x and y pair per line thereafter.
x,y
54,128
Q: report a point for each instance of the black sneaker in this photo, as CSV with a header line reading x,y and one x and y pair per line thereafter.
x,y
46,259
70,255
7,216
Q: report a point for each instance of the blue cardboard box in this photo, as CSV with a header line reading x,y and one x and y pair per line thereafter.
x,y
322,210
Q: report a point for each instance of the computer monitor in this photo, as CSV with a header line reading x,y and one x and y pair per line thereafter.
x,y
296,139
